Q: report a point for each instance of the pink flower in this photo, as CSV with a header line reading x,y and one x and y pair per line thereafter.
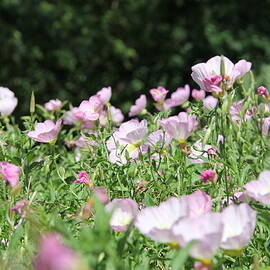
x,y
10,173
115,114
158,139
180,127
46,131
199,203
53,105
19,207
179,97
158,94
157,222
198,94
82,178
236,111
259,190
128,139
54,255
213,83
208,75
90,109
8,101
105,94
139,107
239,223
123,212
209,175
205,229
102,194
262,91
210,103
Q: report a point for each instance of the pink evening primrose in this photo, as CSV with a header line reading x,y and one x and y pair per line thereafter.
x,y
54,255
46,132
123,212
90,109
180,127
113,113
127,139
209,175
262,91
239,223
105,94
210,103
179,97
83,178
208,75
156,222
265,126
198,94
205,229
236,111
139,107
158,94
200,153
8,101
199,203
259,190
53,105
9,173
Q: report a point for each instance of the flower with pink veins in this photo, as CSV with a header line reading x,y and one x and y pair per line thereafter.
x,y
157,222
179,97
54,255
139,107
46,132
124,211
180,127
158,94
206,230
53,105
105,94
210,103
10,173
91,108
208,75
238,226
259,190
8,101
127,139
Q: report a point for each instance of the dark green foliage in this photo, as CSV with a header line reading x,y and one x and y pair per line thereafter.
x,y
70,49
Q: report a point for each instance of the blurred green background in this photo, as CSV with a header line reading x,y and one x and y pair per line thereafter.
x,y
69,49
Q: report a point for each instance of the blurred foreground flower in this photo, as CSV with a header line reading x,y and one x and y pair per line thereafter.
x,y
123,213
9,173
46,132
54,255
259,190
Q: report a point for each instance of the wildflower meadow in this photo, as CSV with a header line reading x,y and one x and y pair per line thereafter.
x,y
181,182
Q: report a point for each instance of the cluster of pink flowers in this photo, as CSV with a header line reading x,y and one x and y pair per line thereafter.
x,y
188,218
